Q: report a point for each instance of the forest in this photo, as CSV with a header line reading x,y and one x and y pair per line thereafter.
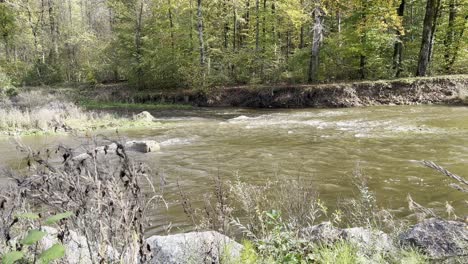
x,y
169,44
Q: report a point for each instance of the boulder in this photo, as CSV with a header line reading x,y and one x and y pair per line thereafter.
x,y
107,148
143,116
195,247
144,146
369,242
76,247
438,239
324,233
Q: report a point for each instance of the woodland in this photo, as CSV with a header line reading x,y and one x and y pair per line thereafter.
x,y
171,44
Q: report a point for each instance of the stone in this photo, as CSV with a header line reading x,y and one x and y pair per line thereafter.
x,y
111,148
144,146
195,247
438,239
143,116
324,233
369,242
80,158
76,247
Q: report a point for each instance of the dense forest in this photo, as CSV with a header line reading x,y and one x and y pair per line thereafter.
x,y
164,44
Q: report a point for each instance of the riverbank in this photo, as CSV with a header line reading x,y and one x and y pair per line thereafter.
x,y
41,112
409,91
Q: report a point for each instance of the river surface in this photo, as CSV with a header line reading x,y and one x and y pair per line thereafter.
x,y
321,147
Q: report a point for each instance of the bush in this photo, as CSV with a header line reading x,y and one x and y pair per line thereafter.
x,y
5,83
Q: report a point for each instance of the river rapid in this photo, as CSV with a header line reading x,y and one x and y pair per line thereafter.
x,y
319,147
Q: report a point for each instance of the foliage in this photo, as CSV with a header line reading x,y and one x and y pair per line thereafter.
x,y
27,248
154,44
102,194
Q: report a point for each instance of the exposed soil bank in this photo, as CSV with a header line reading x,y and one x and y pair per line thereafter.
x,y
434,90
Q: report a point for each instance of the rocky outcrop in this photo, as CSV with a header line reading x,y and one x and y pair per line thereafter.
x,y
143,116
196,247
369,242
438,239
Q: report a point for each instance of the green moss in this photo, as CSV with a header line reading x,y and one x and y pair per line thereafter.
x,y
89,104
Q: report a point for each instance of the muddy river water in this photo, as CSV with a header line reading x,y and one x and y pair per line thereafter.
x,y
321,147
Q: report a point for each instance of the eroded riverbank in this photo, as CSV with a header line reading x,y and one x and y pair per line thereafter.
x,y
410,91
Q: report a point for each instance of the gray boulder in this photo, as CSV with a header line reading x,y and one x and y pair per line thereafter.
x,y
368,242
438,239
76,247
144,146
195,247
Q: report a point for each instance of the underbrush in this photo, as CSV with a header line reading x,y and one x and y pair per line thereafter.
x,y
276,216
97,205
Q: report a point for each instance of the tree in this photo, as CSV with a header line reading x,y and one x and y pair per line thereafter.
x,y
398,49
318,15
429,26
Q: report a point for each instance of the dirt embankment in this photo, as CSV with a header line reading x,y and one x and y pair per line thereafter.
x,y
436,90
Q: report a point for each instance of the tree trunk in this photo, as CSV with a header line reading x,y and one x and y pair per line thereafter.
x,y
316,43
427,37
53,32
200,33
171,23
398,48
138,44
257,24
434,25
234,26
226,26
450,37
191,26
301,34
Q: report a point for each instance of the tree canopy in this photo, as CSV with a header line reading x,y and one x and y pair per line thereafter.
x,y
166,44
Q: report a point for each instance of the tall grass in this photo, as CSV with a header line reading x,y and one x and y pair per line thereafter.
x,y
104,195
39,111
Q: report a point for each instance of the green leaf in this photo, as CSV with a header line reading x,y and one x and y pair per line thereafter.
x,y
29,216
12,257
33,237
56,218
55,252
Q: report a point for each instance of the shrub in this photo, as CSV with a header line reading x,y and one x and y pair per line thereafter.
x,y
103,192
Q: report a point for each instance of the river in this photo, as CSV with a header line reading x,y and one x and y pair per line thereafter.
x,y
321,147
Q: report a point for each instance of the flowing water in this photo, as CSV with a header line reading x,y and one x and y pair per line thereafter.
x,y
320,147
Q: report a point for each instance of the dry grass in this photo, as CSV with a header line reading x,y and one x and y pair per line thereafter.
x,y
103,193
36,111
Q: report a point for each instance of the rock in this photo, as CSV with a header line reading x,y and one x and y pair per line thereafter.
x,y
142,146
76,247
107,148
324,233
369,242
438,239
80,158
143,116
196,247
